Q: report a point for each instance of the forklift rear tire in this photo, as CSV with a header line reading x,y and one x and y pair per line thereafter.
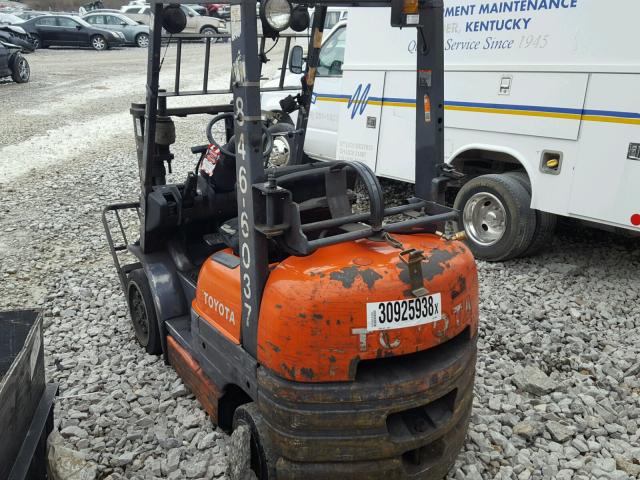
x,y
496,216
143,312
263,460
545,222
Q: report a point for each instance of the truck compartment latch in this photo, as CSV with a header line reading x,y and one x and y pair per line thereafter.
x,y
413,258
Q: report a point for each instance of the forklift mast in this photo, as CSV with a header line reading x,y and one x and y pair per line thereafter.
x,y
245,86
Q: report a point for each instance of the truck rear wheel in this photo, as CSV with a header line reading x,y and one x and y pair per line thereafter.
x,y
143,312
282,148
496,216
263,460
545,222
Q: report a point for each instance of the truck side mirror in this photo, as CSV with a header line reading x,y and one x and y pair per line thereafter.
x,y
296,60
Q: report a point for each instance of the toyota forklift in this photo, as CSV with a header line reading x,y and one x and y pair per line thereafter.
x,y
343,338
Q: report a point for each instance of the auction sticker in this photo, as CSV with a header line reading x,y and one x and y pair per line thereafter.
x,y
404,313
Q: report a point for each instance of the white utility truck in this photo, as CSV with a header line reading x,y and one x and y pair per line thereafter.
x,y
542,112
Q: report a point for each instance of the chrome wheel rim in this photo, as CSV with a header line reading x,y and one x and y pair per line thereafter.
x,y
280,152
207,32
485,219
143,41
23,69
98,43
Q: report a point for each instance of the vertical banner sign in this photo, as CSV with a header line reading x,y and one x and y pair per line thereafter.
x,y
249,164
430,88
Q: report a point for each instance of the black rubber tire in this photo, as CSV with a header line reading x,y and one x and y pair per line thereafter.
x,y
143,312
263,460
140,40
20,70
211,30
520,219
545,222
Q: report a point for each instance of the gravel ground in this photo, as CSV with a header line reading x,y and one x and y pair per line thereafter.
x,y
557,391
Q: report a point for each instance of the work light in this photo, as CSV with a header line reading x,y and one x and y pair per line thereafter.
x,y
276,13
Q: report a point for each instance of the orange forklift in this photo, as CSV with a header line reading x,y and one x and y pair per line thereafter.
x,y
344,340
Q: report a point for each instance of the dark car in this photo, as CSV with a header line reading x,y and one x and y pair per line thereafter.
x,y
65,30
13,64
17,36
28,14
134,33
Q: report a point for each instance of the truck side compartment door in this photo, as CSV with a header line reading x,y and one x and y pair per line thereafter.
x,y
606,172
396,148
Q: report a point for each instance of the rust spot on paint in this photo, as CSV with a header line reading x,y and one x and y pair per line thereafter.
x,y
307,373
460,288
277,305
348,275
302,315
317,316
431,267
291,371
275,347
353,366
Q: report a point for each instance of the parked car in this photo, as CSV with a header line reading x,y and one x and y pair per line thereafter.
x,y
137,13
134,33
9,19
28,14
195,23
17,35
13,64
219,10
90,7
199,9
65,30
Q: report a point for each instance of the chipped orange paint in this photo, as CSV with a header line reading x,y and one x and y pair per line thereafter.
x,y
313,316
312,325
207,392
217,298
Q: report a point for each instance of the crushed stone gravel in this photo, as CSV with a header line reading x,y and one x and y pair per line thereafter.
x,y
557,391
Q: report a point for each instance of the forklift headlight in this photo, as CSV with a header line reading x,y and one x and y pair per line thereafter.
x,y
276,13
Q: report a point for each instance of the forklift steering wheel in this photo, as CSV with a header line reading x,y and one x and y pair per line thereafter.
x,y
266,135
